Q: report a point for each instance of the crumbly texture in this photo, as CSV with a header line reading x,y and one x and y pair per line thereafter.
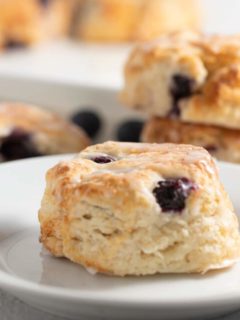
x,y
25,22
222,143
49,133
105,216
189,76
126,20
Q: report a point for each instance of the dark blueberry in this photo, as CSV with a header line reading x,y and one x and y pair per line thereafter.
x,y
181,87
14,44
18,145
103,159
171,194
130,131
44,3
175,111
89,121
211,148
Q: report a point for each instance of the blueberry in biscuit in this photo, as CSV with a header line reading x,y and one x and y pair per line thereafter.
x,y
142,209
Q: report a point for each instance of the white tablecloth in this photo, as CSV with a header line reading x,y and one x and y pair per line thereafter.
x,y
13,309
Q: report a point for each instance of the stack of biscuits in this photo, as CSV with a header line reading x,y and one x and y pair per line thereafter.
x,y
189,85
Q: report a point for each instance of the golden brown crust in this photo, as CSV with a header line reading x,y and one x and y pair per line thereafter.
x,y
222,143
126,20
106,217
50,133
211,63
26,22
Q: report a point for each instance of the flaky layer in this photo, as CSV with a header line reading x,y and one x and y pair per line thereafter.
x,y
188,76
222,143
105,216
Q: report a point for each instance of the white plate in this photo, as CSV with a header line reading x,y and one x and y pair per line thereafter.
x,y
69,62
63,288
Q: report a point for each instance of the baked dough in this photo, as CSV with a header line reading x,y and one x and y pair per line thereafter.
x,y
192,77
127,20
139,209
24,22
27,131
222,143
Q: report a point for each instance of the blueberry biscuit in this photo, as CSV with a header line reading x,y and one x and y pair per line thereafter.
x,y
222,143
24,22
186,76
28,131
126,20
139,209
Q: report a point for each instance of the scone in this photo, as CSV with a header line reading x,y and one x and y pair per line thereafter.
x,y
24,22
27,131
188,76
139,209
222,143
126,20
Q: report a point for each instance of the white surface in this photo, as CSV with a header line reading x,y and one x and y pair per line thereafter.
x,y
62,287
69,62
221,16
99,65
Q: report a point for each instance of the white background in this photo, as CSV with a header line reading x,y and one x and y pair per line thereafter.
x,y
222,15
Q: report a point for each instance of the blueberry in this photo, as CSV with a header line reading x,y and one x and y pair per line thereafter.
x,y
130,131
103,159
181,87
175,111
171,194
211,148
14,44
89,121
18,145
44,2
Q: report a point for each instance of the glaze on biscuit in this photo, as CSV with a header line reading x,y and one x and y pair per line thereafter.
x,y
149,209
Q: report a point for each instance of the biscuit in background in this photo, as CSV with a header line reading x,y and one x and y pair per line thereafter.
x,y
28,131
133,20
25,22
